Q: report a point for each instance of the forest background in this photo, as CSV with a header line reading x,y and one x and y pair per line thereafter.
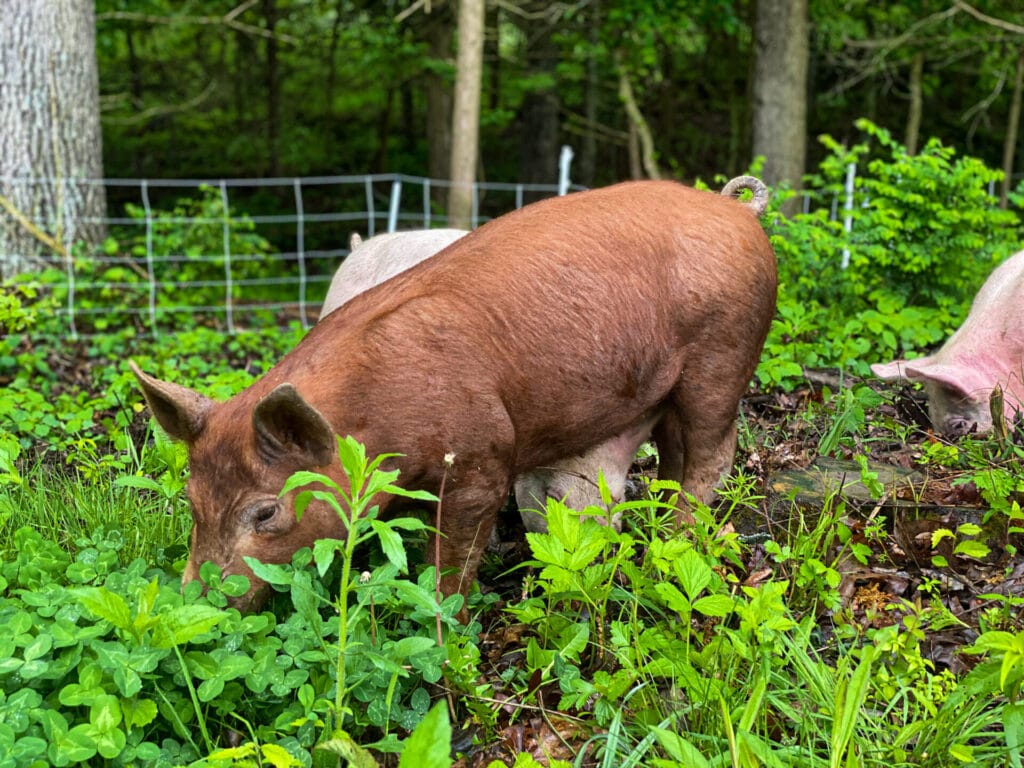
x,y
685,90
301,87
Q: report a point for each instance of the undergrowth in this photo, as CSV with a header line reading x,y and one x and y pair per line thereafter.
x,y
650,646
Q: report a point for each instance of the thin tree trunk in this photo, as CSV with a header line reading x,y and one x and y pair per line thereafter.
x,y
916,103
588,153
49,132
780,89
380,157
1012,130
637,121
636,170
538,117
439,104
273,90
466,112
332,62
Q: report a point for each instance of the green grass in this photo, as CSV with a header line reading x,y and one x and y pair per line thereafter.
x,y
662,646
66,509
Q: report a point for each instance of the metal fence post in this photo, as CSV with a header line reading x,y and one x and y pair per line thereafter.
x,y
564,161
371,216
69,259
300,249
149,257
851,174
226,226
396,204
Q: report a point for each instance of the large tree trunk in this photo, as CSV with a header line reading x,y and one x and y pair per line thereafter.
x,y
466,112
49,130
1012,130
916,103
780,89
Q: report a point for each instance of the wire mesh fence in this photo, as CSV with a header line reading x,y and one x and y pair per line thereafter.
x,y
229,254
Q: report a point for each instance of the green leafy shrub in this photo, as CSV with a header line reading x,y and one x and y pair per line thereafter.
x,y
183,254
924,234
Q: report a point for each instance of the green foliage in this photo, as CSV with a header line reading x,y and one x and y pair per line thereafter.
x,y
924,234
107,659
20,306
370,667
177,258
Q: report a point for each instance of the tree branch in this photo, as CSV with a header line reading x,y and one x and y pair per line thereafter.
x,y
148,114
1016,29
229,19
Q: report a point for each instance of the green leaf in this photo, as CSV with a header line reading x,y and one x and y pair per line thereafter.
x,y
971,548
111,743
179,625
679,749
415,595
138,712
693,572
674,599
270,572
278,756
105,713
962,752
210,689
324,552
716,606
343,745
38,647
418,495
429,745
75,746
135,481
104,604
391,544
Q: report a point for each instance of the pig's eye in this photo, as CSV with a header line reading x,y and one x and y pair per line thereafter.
x,y
261,517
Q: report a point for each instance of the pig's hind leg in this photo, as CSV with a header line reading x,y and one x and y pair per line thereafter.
x,y
696,438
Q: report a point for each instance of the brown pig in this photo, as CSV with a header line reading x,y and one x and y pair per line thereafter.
x,y
988,349
573,480
532,339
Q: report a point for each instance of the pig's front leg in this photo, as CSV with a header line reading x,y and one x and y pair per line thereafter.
x,y
468,514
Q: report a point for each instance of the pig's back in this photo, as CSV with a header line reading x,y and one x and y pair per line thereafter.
x,y
614,290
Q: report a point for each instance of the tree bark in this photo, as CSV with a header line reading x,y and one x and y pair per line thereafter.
x,y
538,123
1012,130
49,131
780,89
591,97
916,103
439,102
466,112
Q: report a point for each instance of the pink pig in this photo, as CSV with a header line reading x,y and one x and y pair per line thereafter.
x,y
988,349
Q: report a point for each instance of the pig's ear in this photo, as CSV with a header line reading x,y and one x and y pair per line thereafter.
x,y
354,241
179,410
964,379
898,369
288,426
